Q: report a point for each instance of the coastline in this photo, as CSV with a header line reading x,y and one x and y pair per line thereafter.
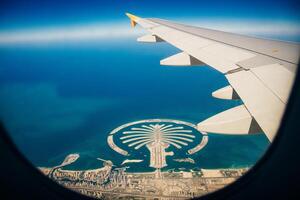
x,y
109,183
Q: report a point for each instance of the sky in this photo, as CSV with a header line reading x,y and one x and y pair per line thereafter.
x,y
31,20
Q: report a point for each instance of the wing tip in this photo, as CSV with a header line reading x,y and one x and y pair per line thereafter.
x,y
133,19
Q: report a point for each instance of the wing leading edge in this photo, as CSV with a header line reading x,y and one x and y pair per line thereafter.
x,y
260,72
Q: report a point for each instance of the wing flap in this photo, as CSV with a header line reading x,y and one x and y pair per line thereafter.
x,y
277,78
262,103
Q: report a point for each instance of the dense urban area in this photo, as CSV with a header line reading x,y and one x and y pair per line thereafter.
x,y
110,182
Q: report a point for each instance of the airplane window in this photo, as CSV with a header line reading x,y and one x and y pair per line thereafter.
x,y
180,104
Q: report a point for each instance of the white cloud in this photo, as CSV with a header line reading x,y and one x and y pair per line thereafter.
x,y
123,30
88,32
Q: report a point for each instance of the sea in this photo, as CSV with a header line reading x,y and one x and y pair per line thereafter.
x,y
65,97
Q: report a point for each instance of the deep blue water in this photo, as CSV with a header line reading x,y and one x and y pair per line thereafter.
x,y
63,98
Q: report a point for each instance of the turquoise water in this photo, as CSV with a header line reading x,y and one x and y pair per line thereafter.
x,y
63,98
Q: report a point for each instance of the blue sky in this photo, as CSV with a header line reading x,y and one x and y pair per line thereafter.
x,y
47,12
231,15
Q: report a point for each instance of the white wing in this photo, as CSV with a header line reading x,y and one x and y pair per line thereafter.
x,y
260,72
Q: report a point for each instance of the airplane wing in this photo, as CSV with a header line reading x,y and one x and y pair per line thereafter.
x,y
260,72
